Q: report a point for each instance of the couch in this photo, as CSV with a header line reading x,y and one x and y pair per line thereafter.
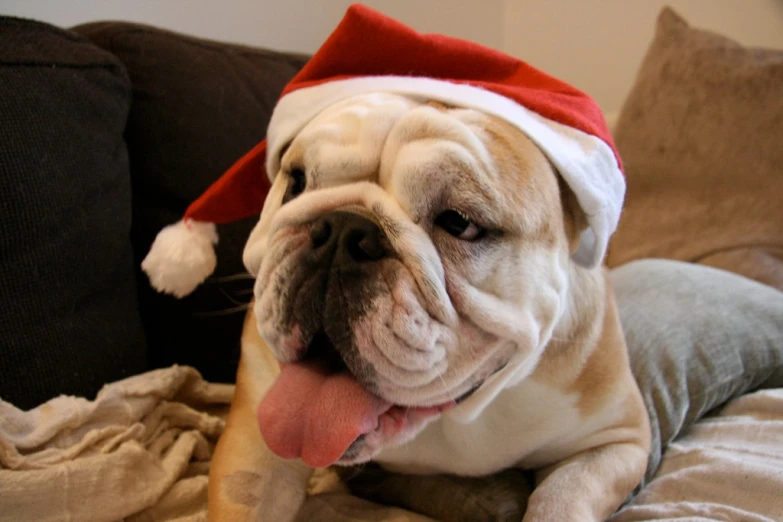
x,y
110,129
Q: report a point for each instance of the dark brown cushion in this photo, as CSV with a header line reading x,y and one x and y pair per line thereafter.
x,y
700,135
68,313
197,107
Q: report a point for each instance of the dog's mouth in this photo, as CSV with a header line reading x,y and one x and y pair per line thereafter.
x,y
316,409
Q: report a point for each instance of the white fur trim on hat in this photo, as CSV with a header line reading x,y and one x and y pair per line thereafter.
x,y
586,163
181,257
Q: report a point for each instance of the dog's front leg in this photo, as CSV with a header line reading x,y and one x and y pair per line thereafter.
x,y
589,486
247,482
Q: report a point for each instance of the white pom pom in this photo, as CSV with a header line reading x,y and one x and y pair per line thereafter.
x,y
181,257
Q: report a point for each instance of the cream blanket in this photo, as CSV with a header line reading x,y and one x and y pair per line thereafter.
x,y
140,452
727,467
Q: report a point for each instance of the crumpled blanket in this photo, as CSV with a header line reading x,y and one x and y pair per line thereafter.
x,y
139,452
728,466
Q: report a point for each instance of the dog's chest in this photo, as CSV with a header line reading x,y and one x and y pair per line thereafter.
x,y
530,425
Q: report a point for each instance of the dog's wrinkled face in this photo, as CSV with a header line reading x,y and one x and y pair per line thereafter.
x,y
417,251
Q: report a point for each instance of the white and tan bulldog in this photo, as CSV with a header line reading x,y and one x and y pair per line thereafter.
x,y
418,306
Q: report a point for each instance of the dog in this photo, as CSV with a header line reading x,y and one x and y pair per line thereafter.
x,y
416,304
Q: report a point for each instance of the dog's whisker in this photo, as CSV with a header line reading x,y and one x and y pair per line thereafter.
x,y
228,296
242,276
446,388
227,311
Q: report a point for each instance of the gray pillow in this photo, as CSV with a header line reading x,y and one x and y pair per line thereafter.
x,y
697,337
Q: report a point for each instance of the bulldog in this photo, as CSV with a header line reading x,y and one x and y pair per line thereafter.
x,y
416,303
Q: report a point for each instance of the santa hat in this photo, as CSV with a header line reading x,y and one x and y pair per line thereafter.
x,y
369,52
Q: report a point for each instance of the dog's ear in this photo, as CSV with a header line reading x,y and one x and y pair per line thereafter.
x,y
574,218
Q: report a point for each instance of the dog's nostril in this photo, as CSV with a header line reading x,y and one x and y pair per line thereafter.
x,y
364,246
320,233
343,237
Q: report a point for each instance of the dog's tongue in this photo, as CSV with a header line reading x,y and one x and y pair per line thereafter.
x,y
315,415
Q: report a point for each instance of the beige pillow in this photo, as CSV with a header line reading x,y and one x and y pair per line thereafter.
x,y
701,136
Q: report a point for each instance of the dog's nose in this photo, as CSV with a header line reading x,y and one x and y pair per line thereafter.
x,y
348,237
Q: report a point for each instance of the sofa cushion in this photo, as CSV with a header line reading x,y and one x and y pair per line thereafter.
x,y
700,136
69,316
198,106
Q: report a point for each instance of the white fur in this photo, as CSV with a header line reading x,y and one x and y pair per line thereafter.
x,y
529,425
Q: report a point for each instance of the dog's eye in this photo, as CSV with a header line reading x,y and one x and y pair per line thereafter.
x,y
459,225
296,184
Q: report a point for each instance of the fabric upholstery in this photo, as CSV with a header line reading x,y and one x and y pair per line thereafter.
x,y
700,136
197,107
69,315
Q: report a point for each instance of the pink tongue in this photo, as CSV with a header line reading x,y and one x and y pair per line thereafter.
x,y
314,415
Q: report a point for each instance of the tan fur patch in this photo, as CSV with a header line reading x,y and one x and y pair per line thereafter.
x,y
236,489
525,178
438,105
607,362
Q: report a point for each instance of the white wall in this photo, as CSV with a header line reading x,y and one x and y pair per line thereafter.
x,y
292,25
597,45
594,44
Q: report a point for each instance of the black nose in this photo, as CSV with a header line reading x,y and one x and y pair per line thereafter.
x,y
346,237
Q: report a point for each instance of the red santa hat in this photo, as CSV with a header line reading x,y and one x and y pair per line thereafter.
x,y
369,52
